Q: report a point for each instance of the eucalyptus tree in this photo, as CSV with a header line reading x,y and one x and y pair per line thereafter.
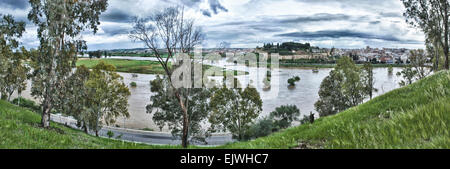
x,y
368,79
234,110
170,30
107,97
346,86
167,112
352,83
331,100
432,16
12,69
418,60
60,22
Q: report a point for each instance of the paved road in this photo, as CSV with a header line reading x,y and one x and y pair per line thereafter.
x,y
143,136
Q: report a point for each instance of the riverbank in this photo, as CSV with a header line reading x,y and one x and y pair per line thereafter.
x,y
146,66
415,116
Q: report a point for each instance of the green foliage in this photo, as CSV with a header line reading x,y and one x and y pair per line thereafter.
x,y
108,96
167,111
293,80
390,70
368,80
284,116
412,117
22,102
59,22
95,97
345,87
234,110
261,128
110,134
408,74
13,72
133,84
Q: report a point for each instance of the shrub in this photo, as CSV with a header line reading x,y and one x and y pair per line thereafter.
x,y
284,116
27,104
110,134
293,80
261,128
133,84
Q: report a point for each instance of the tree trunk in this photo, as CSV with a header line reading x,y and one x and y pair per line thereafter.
x,y
96,133
46,115
184,137
446,31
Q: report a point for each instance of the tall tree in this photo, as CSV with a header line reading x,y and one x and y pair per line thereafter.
x,y
432,16
345,87
418,60
167,112
175,33
107,97
352,85
59,24
12,69
332,100
368,79
234,110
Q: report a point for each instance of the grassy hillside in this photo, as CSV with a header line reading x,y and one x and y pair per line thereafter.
x,y
19,128
416,116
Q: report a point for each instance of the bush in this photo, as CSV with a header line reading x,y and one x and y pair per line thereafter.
x,y
284,116
261,128
293,80
110,134
27,104
133,84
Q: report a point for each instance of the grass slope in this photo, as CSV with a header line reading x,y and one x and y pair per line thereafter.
x,y
416,116
19,129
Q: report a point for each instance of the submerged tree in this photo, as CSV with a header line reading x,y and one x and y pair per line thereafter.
x,y
60,22
175,33
13,72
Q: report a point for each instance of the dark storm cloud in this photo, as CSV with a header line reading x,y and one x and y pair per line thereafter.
x,y
14,4
115,30
338,34
391,15
316,18
206,13
216,6
116,16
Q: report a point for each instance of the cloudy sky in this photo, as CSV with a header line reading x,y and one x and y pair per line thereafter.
x,y
249,23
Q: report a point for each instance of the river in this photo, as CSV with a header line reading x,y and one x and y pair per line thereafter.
x,y
304,95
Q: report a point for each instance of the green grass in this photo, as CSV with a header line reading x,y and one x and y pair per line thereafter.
x,y
143,67
19,129
416,116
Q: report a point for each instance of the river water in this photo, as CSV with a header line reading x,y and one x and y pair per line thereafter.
x,y
304,95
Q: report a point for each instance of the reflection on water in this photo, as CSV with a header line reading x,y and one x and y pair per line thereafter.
x,y
303,96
